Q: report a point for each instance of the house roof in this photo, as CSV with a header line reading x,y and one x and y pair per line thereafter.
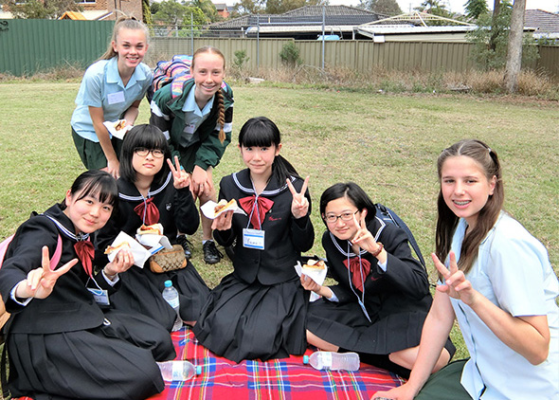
x,y
73,15
544,21
304,16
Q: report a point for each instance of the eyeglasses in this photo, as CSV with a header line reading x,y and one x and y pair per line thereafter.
x,y
143,152
347,216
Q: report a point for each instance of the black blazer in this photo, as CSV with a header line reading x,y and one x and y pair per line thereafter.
x,y
70,306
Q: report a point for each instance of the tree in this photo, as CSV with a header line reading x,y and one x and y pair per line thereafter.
x,y
177,15
281,6
245,7
38,9
475,8
514,53
207,7
146,13
495,32
388,7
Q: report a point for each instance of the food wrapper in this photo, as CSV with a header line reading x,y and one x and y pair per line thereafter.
x,y
154,241
140,253
317,275
209,207
117,133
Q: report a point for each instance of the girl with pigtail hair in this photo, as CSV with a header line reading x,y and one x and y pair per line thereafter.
x,y
497,282
111,90
198,125
259,310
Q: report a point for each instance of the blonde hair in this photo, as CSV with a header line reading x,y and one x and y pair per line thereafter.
x,y
123,22
219,93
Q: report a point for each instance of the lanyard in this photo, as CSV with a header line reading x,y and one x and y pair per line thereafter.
x,y
360,299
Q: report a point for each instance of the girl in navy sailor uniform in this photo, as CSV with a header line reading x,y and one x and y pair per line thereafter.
x,y
153,190
259,310
382,297
61,342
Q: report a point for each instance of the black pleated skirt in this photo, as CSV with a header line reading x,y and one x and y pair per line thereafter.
x,y
114,361
243,321
140,292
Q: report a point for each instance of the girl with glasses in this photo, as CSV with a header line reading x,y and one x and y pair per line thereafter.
x,y
154,190
379,305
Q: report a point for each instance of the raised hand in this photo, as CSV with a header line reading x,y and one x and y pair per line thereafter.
x,y
300,204
363,238
181,179
456,285
40,281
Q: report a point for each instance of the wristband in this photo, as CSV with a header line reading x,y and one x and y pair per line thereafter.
x,y
380,248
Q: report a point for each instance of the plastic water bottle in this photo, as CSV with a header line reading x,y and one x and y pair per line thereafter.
x,y
171,295
178,370
333,361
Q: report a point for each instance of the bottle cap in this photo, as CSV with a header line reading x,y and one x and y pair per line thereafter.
x,y
168,283
198,370
305,359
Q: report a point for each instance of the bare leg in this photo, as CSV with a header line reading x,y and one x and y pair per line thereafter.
x,y
406,358
320,343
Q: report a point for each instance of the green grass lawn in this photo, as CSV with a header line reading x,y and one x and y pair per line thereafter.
x,y
386,143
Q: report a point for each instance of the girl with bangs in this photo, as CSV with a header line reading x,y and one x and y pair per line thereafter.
x,y
153,190
62,341
259,310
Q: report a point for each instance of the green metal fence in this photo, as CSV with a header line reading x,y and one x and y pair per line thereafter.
x,y
30,46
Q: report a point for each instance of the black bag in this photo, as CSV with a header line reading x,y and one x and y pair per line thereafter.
x,y
389,216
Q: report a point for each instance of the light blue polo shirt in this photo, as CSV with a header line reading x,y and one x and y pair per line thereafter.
x,y
102,87
193,118
512,271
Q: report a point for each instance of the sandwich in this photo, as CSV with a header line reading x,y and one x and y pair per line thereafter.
x,y
224,204
117,248
120,125
155,229
314,265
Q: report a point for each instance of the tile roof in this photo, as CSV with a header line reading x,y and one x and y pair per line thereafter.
x,y
545,21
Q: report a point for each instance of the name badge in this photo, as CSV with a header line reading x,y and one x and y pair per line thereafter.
x,y
253,239
114,98
100,296
190,128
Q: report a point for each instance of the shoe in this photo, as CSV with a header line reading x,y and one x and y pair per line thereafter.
x,y
185,243
211,254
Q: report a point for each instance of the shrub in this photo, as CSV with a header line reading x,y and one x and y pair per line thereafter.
x,y
289,55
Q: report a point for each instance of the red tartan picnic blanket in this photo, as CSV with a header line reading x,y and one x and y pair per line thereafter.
x,y
285,379
281,379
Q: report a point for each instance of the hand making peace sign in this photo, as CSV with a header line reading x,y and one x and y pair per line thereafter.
x,y
40,281
456,285
300,204
180,178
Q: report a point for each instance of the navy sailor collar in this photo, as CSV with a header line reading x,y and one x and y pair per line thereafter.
x,y
243,182
130,187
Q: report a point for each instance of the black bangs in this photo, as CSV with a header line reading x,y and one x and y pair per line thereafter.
x,y
103,188
258,136
151,141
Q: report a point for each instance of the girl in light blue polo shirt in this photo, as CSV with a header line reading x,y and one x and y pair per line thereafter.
x,y
111,89
498,284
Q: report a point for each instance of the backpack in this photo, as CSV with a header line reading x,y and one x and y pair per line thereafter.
x,y
176,72
389,216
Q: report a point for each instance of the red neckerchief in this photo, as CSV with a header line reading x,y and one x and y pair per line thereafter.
x,y
355,269
85,251
147,211
263,206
